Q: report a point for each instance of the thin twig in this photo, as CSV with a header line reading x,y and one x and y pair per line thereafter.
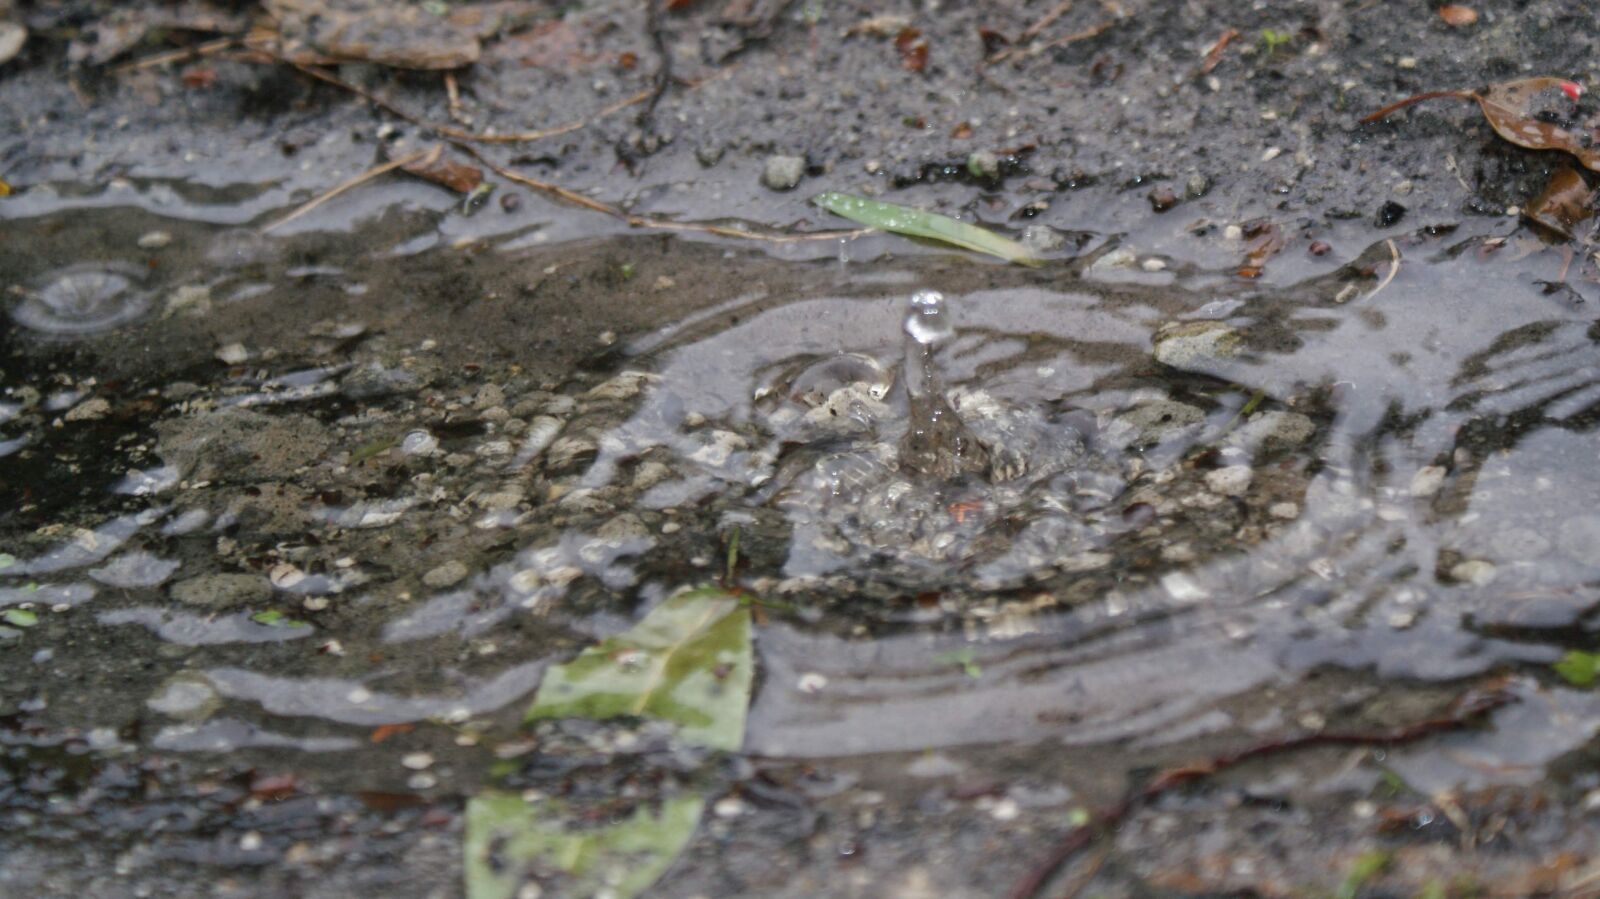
x,y
451,131
1466,709
1394,268
452,92
1072,38
161,59
640,221
357,181
1398,105
1214,55
1045,21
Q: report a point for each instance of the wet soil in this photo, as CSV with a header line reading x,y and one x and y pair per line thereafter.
x,y
298,517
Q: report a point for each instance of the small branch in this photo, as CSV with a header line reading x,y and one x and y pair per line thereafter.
x,y
1394,268
1398,105
1045,21
160,59
357,181
639,221
1214,55
1467,709
451,131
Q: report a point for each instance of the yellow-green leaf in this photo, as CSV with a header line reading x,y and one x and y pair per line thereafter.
x,y
511,842
689,662
921,223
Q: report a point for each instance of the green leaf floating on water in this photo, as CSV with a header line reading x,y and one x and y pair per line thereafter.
x,y
275,618
689,662
19,617
1579,668
921,223
510,840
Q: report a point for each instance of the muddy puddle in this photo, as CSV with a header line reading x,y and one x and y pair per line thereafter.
x,y
294,524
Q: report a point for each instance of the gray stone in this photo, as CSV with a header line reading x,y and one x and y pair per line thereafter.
x,y
1193,345
447,575
1153,423
783,172
222,591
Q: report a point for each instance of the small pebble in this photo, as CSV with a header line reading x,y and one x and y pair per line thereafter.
x,y
783,172
1232,480
1476,572
89,410
811,682
417,761
154,240
447,575
232,354
729,807
1427,481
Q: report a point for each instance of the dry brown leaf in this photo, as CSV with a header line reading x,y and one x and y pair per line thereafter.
x,y
1536,113
1563,204
1265,240
913,49
1529,114
448,173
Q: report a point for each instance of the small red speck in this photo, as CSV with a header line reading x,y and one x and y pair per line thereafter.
x,y
1572,89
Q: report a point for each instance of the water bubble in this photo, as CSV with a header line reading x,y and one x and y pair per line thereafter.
x,y
83,300
927,321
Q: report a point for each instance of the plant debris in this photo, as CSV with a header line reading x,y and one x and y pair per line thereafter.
x,y
1536,113
447,173
1264,239
1564,203
511,841
1579,668
1467,709
397,35
921,223
689,662
1457,15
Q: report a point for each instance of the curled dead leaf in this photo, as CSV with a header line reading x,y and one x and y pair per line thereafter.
x,y
448,173
1264,240
1564,203
1537,113
913,49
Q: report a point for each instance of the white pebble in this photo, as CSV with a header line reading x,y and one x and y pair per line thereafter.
x,y
1231,480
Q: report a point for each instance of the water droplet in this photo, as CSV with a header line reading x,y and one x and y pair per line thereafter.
x,y
927,321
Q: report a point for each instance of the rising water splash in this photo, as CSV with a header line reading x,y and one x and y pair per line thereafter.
x,y
936,442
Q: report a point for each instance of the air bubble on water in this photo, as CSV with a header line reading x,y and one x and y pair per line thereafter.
x,y
83,300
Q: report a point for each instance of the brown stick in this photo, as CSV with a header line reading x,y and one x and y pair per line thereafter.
x,y
1398,105
451,131
1466,709
1214,55
639,221
159,59
357,181
1048,19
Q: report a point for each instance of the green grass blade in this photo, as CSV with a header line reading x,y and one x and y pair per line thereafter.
x,y
924,224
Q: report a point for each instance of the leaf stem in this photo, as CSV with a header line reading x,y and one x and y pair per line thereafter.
x,y
1398,105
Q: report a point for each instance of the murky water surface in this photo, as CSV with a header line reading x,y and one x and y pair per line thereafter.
x,y
1129,499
